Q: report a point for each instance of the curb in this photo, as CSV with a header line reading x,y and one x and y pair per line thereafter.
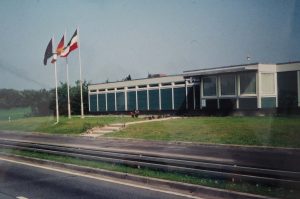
x,y
203,144
190,189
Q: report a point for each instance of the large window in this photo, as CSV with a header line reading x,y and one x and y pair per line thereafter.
x,y
267,83
228,84
166,99
248,83
209,86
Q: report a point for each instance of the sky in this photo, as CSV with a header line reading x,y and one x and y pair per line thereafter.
x,y
137,37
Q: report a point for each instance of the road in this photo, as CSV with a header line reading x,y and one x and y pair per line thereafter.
x,y
271,158
22,181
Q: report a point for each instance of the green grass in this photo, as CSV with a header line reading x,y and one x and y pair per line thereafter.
x,y
14,113
75,125
261,131
228,185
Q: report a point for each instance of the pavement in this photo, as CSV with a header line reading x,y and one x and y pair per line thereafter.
x,y
28,182
100,131
262,157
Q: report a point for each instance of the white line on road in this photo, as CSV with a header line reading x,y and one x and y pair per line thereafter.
x,y
21,197
101,179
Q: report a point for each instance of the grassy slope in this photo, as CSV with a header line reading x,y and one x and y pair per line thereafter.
x,y
14,113
268,131
75,125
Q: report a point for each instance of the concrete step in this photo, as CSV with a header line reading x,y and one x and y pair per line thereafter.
x,y
112,128
101,131
121,125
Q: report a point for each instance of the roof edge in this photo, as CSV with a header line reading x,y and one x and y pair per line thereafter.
x,y
292,62
135,79
220,67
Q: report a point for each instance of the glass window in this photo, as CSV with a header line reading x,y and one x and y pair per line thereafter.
x,y
248,83
228,84
209,86
267,83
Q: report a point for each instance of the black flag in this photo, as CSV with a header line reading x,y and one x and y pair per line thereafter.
x,y
48,52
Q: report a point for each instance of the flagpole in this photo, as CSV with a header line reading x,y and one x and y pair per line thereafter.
x,y
80,69
68,85
56,93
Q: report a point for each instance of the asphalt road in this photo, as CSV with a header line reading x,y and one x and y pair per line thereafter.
x,y
22,181
271,158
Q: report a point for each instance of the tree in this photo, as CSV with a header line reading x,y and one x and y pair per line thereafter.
x,y
38,100
127,78
75,98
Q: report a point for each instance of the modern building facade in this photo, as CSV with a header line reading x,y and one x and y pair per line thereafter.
x,y
241,87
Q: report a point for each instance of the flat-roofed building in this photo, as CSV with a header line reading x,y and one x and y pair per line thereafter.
x,y
252,86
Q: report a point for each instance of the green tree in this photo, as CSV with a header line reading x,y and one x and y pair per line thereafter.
x,y
74,98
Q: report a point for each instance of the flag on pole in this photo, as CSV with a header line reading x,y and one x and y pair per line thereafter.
x,y
48,52
59,49
72,45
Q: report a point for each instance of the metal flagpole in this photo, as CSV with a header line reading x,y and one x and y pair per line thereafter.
x,y
68,85
81,97
56,93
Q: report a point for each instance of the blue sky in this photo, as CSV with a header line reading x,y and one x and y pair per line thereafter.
x,y
138,37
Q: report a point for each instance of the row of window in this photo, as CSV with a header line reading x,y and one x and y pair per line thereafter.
x,y
150,100
228,84
247,84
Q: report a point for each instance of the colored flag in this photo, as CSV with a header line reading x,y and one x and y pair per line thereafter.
x,y
59,49
48,52
72,45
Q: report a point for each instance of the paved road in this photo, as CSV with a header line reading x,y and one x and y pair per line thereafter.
x,y
285,159
33,183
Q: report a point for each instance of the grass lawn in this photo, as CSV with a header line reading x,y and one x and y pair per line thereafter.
x,y
263,131
76,125
14,113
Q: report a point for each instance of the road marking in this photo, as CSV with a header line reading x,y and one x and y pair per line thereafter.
x,y
21,197
99,178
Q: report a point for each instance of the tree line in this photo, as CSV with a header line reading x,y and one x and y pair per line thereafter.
x,y
42,102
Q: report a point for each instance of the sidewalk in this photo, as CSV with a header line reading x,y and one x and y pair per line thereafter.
x,y
100,131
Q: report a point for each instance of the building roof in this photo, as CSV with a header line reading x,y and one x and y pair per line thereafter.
x,y
293,62
137,82
223,69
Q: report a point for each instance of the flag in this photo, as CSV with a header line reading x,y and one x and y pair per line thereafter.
x,y
72,45
54,58
59,49
48,52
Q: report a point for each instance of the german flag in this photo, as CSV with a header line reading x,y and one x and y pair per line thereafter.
x,y
72,45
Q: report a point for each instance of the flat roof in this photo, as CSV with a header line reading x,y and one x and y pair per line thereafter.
x,y
137,82
221,67
188,73
292,62
145,78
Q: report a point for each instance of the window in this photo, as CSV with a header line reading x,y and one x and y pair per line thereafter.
x,y
179,83
248,83
166,84
209,86
267,83
228,84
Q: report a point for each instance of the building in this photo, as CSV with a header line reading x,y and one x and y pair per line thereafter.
x,y
248,87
